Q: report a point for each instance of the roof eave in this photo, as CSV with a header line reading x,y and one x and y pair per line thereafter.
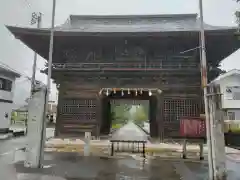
x,y
10,72
225,75
13,74
58,32
193,15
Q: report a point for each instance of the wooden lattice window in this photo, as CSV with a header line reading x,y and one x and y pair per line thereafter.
x,y
79,109
174,109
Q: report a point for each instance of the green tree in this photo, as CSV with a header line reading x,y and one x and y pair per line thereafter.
x,y
120,114
140,115
237,14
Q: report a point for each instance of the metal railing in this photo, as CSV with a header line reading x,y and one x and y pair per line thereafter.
x,y
126,66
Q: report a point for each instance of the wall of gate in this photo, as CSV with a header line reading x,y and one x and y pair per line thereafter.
x,y
78,112
173,109
78,115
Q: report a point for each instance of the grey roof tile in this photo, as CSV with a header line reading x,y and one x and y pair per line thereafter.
x,y
135,23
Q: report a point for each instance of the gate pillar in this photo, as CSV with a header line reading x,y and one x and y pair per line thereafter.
x,y
153,105
159,116
99,115
59,105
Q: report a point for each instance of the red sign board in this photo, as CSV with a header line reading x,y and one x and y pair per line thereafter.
x,y
192,127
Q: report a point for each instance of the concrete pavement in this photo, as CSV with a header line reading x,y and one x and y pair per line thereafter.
x,y
69,166
6,146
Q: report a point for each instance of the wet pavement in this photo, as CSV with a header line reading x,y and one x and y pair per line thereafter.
x,y
7,145
19,142
73,166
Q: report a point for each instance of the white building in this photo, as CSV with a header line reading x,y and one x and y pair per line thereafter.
x,y
7,84
230,89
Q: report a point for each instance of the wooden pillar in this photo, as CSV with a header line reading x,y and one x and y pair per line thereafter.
x,y
105,116
99,115
59,105
160,105
153,116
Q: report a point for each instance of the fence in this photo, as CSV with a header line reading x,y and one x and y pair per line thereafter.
x,y
128,146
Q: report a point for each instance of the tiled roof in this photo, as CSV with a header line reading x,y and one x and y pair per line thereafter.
x,y
227,74
135,23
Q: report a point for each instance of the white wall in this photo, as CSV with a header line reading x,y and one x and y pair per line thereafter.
x,y
233,80
6,107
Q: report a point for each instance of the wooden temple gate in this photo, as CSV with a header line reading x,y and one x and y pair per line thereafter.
x,y
82,110
136,51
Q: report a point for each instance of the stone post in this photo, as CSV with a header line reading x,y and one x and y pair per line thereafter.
x,y
87,140
217,127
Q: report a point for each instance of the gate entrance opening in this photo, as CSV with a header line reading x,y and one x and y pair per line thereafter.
x,y
129,100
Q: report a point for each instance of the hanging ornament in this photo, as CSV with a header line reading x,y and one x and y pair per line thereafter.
x,y
107,93
150,93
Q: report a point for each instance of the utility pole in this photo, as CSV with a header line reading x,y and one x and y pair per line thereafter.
x,y
36,19
50,58
204,85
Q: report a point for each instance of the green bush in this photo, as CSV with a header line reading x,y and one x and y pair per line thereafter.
x,y
235,130
116,126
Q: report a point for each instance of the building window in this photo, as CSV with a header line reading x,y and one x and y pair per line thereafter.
x,y
5,84
236,95
232,93
231,115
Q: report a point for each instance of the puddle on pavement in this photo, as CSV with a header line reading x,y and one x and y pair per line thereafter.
x,y
72,166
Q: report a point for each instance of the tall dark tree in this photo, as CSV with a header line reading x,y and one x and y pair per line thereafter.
x,y
237,13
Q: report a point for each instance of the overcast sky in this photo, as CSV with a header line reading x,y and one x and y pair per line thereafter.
x,y
18,12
